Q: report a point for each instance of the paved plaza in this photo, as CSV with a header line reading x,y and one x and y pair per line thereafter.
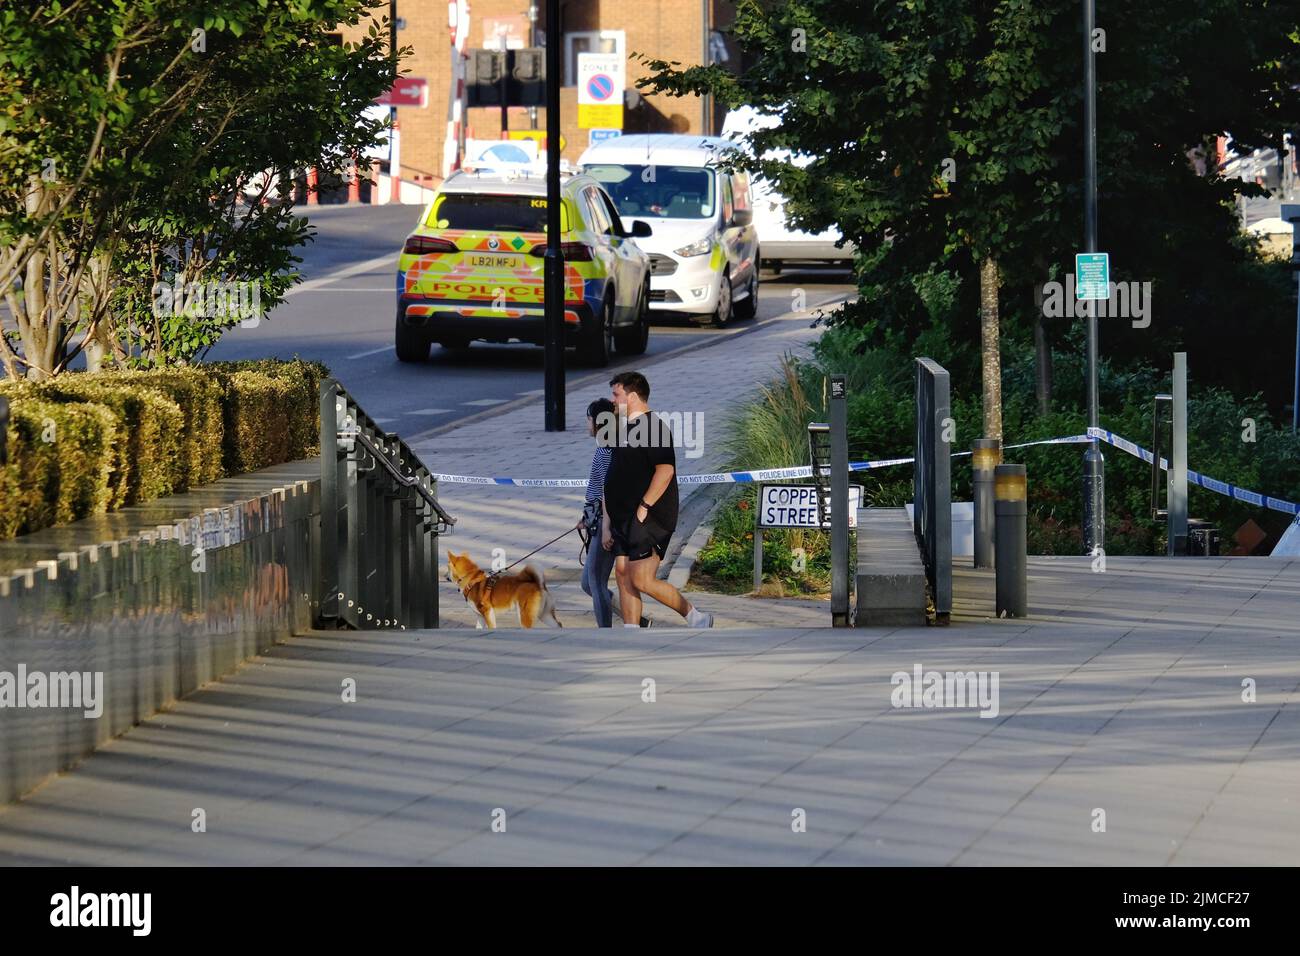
x,y
1124,694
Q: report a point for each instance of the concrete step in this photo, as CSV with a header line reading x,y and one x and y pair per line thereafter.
x,y
890,582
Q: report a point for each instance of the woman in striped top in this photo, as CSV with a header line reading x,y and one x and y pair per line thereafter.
x,y
601,419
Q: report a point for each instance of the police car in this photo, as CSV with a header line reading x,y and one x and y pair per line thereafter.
x,y
472,270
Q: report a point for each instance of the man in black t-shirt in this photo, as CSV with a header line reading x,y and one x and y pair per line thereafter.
x,y
641,502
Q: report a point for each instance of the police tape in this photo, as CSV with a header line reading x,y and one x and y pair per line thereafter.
x,y
722,477
805,471
1224,488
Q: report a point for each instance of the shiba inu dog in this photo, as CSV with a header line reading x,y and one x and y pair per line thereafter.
x,y
525,591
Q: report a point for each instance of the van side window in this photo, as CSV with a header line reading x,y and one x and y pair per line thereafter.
x,y
728,203
744,199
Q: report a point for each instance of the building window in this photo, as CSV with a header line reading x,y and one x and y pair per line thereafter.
x,y
595,41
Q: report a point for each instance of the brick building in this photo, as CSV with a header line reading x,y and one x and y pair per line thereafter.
x,y
680,30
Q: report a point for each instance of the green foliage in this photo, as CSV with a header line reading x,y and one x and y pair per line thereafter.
x,y
199,397
936,132
50,482
297,383
138,141
145,457
726,563
771,431
84,444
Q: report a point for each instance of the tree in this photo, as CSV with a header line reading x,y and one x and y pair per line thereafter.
x,y
127,131
944,138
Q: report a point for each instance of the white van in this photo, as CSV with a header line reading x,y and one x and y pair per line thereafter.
x,y
703,246
782,244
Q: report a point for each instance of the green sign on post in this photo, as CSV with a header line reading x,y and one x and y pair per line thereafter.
x,y
1092,275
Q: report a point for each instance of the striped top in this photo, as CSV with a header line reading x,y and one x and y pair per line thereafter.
x,y
599,468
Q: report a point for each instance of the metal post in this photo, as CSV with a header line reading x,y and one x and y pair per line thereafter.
x,y
986,455
430,563
758,541
1176,488
505,89
1291,213
327,586
554,265
394,145
1094,485
839,504
532,44
1011,576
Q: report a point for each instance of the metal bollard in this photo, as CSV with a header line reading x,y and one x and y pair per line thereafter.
x,y
1011,510
986,455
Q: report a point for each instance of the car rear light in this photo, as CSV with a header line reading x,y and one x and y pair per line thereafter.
x,y
572,251
425,245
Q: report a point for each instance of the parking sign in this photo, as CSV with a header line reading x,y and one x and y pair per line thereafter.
x,y
601,80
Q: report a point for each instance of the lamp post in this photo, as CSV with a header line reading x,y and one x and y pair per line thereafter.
x,y
1094,485
532,42
1291,213
553,274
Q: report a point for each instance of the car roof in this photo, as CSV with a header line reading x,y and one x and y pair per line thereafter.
x,y
663,148
510,184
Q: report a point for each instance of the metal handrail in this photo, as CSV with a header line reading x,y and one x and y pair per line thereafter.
x,y
408,481
380,522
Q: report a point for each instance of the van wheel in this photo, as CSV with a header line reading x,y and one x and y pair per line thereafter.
x,y
722,314
747,307
635,339
411,345
598,345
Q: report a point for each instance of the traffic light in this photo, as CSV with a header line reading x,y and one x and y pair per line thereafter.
x,y
528,77
483,78
525,72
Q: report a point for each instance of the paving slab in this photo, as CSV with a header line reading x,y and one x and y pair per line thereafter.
x,y
1144,720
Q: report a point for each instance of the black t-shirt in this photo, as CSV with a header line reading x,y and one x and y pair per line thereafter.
x,y
647,442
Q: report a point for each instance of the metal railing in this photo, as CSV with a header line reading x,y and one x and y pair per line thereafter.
x,y
932,482
380,520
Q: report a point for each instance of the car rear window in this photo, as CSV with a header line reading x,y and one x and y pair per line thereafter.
x,y
482,212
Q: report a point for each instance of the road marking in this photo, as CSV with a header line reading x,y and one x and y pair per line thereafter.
x,y
382,348
429,411
534,391
389,261
486,401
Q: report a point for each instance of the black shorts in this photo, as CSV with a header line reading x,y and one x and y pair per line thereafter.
x,y
640,539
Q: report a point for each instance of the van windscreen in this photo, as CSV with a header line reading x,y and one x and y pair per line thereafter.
x,y
663,192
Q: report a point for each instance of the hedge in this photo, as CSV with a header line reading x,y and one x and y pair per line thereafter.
x,y
83,444
57,468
